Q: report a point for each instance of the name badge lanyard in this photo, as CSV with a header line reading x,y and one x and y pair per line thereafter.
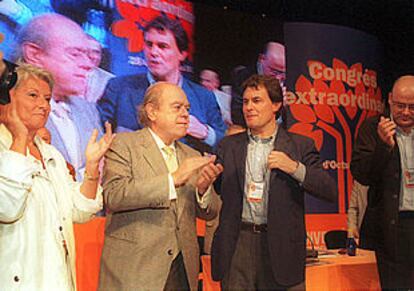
x,y
257,173
408,164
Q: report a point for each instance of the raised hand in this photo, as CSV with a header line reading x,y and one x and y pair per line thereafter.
x,y
10,118
353,232
386,131
95,150
280,160
188,168
208,175
196,128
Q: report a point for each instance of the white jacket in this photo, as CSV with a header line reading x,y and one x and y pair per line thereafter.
x,y
37,210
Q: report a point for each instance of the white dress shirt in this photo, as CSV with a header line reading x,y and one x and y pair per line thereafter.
x,y
60,114
204,200
406,146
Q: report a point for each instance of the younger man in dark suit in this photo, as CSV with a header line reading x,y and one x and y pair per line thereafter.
x,y
260,241
165,48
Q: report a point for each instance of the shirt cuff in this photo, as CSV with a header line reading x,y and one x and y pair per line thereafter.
x,y
205,200
86,204
17,167
171,186
300,173
211,136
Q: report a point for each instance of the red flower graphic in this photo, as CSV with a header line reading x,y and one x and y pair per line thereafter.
x,y
316,111
135,18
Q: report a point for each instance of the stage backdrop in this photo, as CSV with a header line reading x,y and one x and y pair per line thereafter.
x,y
333,73
334,83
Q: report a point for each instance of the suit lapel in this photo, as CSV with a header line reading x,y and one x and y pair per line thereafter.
x,y
81,124
139,86
283,143
57,140
181,156
151,153
240,155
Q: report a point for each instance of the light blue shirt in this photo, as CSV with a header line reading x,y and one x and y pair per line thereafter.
x,y
258,151
406,146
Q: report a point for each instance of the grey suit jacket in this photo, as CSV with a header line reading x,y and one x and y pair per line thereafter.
x,y
145,230
357,205
85,117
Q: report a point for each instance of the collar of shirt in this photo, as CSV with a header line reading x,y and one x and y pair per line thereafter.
x,y
259,68
403,133
399,130
61,108
152,80
257,139
160,143
6,136
43,148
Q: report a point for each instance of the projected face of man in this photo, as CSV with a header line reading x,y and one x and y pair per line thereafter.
x,y
209,79
163,55
273,61
94,51
65,56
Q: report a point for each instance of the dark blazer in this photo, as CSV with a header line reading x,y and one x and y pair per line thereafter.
x,y
239,75
124,94
375,165
285,218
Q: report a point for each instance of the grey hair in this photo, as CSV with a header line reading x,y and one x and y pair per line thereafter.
x,y
152,95
26,71
36,31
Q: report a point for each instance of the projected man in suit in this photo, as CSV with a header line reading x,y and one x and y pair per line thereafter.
x,y
271,62
150,181
383,158
165,47
260,241
57,44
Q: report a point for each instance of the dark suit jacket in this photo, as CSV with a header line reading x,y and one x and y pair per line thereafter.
x,y
239,75
375,165
123,94
286,223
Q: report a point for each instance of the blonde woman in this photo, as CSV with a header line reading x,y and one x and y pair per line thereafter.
x,y
39,199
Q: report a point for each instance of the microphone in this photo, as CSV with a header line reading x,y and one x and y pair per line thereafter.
x,y
311,252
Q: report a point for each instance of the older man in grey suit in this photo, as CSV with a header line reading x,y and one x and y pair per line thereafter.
x,y
154,187
57,44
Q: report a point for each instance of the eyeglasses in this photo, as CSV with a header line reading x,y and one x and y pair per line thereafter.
x,y
401,106
281,75
77,54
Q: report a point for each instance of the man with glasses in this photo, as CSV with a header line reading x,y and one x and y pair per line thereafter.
x,y
210,80
383,158
260,240
154,187
57,44
271,62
